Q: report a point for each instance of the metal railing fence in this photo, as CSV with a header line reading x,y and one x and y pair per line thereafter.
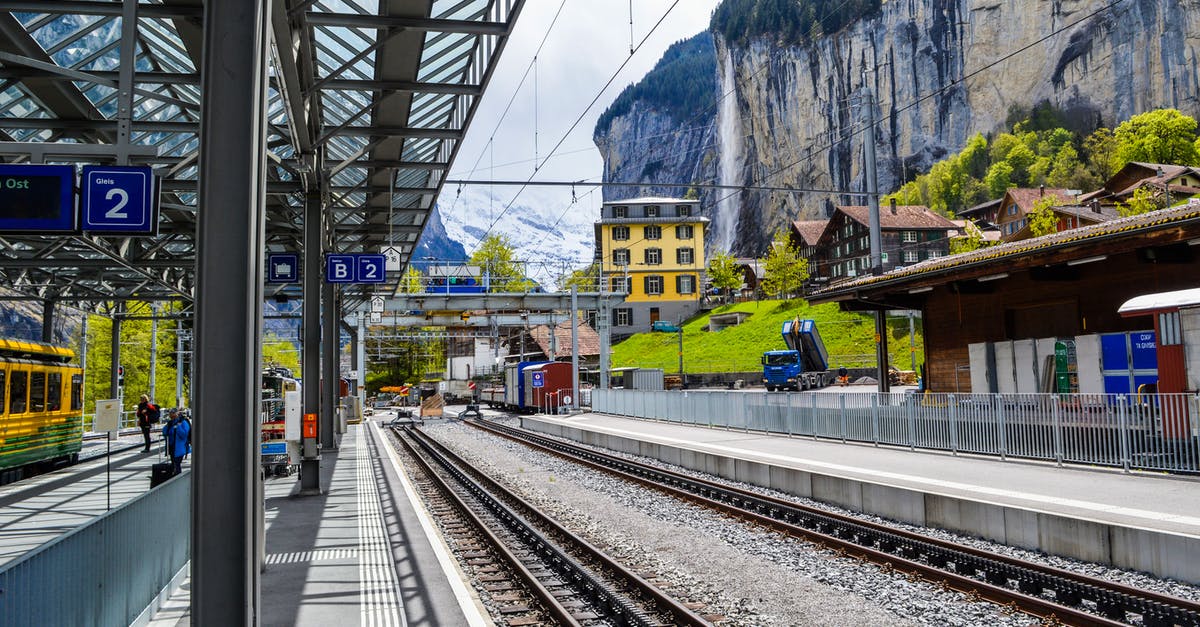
x,y
106,572
1149,432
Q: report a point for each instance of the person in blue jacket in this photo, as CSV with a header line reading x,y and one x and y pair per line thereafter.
x,y
177,434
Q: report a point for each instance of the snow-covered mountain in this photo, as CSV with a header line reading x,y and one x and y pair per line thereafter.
x,y
550,238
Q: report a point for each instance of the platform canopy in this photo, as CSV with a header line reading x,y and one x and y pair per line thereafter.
x,y
1162,301
368,103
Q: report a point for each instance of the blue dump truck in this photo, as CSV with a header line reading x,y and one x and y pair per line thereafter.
x,y
804,365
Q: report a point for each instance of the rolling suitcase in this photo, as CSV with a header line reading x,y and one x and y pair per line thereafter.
x,y
160,472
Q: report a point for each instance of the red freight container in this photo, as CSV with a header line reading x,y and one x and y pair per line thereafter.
x,y
555,386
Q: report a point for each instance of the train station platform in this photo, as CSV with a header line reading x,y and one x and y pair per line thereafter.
x,y
1141,521
361,553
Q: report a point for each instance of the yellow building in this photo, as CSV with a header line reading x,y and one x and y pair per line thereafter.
x,y
652,249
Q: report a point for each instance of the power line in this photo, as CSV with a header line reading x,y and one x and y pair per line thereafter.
x,y
764,188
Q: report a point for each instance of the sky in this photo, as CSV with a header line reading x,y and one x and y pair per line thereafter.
x,y
586,46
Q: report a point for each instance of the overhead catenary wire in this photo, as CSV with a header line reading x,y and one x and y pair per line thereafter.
x,y
579,119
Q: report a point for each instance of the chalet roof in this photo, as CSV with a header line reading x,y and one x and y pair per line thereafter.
x,y
1027,197
982,207
809,230
1130,227
1097,213
653,200
905,217
589,340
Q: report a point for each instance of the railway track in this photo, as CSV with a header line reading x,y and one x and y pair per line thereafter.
x,y
1053,594
536,571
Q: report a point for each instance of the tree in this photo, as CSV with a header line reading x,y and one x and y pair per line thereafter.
x,y
723,272
1142,201
412,282
1043,220
495,256
785,270
585,280
1159,136
1101,150
277,351
999,179
972,241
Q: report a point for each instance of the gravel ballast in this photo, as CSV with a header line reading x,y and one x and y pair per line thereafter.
x,y
744,574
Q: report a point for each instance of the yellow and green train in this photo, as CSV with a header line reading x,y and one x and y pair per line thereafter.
x,y
41,405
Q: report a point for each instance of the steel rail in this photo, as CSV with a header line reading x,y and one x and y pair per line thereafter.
x,y
897,548
535,587
680,614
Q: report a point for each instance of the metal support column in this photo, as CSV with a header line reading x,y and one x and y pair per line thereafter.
x,y
114,388
48,320
602,329
153,353
310,362
228,304
575,347
360,361
876,239
179,363
125,79
329,366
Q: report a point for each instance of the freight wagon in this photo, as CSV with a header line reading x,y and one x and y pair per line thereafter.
x,y
532,386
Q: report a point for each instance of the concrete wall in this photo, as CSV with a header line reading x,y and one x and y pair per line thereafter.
x,y
1162,554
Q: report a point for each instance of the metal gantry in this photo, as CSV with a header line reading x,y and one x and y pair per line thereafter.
x,y
366,105
261,118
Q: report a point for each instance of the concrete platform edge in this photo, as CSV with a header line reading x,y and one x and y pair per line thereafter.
x,y
1160,553
165,594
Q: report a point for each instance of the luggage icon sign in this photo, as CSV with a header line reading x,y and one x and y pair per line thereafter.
x,y
283,268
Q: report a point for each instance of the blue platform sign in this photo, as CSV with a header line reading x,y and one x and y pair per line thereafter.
x,y
37,198
339,268
538,379
118,199
283,268
371,269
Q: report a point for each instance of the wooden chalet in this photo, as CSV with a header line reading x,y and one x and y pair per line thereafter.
x,y
1064,284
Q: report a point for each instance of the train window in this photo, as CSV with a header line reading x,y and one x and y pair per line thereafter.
x,y
17,391
54,392
37,391
76,392
3,389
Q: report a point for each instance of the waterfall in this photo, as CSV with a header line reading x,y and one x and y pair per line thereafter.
x,y
729,129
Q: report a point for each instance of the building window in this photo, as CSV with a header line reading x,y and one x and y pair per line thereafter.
x,y
652,232
653,256
620,232
837,251
620,256
651,211
848,230
863,242
622,284
934,254
620,211
686,210
910,256
683,231
1169,333
684,256
908,237
685,284
883,259
653,284
623,317
1012,209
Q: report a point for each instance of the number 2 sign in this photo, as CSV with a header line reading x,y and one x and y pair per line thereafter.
x,y
118,199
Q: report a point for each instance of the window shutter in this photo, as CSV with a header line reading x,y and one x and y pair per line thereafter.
x,y
646,284
679,284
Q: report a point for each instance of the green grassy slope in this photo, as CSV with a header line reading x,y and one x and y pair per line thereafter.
x,y
849,338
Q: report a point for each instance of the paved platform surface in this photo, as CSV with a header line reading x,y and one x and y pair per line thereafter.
x,y
1143,500
360,553
36,510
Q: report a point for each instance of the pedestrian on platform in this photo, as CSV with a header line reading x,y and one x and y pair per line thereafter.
x,y
147,416
843,377
177,434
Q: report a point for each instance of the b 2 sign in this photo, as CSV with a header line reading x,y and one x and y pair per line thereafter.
x,y
118,199
355,268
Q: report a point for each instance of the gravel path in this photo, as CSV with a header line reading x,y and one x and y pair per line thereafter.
x,y
749,576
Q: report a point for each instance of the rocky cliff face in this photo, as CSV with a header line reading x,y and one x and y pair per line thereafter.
x,y
940,71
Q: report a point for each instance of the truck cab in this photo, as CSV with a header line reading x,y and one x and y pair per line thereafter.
x,y
781,370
